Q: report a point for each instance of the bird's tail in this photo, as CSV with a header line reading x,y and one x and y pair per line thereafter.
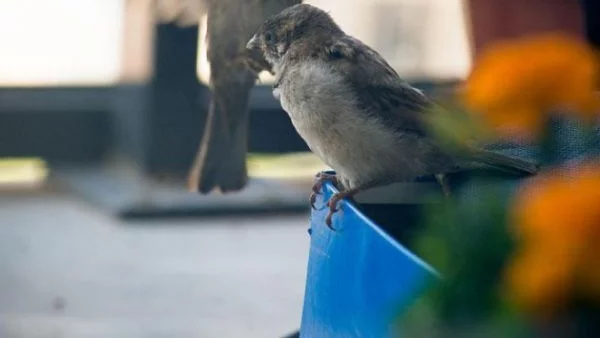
x,y
221,158
504,162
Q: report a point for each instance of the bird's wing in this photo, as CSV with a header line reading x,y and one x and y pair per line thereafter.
x,y
378,88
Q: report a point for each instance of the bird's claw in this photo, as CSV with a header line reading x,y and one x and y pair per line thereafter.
x,y
332,204
318,186
328,221
333,201
312,199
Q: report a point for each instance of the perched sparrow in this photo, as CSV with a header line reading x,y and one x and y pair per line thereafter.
x,y
352,108
221,158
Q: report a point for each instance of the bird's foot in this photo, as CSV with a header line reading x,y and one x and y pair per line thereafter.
x,y
349,193
443,181
332,204
318,186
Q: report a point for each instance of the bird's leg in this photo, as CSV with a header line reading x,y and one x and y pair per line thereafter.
x,y
337,197
334,200
318,185
443,181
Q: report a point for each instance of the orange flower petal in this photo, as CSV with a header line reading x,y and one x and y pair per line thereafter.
x,y
535,74
537,286
557,224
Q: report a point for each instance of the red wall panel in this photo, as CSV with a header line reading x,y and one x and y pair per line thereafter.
x,y
498,19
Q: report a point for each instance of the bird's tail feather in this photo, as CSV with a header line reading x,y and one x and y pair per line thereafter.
x,y
504,162
221,158
233,175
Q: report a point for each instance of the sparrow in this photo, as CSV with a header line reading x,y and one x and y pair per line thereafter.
x,y
220,162
353,110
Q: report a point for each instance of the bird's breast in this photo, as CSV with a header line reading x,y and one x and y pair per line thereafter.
x,y
318,103
323,110
277,93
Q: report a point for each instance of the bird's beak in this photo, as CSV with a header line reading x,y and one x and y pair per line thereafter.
x,y
253,43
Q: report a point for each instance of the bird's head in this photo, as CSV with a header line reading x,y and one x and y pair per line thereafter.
x,y
300,29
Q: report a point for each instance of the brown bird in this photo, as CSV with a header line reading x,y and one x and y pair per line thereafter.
x,y
352,108
220,162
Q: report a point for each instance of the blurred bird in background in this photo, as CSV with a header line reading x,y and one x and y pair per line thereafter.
x,y
220,162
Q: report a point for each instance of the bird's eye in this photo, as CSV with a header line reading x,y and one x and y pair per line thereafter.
x,y
268,37
336,54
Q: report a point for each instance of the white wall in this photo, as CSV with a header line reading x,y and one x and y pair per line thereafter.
x,y
60,42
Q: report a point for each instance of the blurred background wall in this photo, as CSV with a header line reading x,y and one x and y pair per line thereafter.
x,y
492,20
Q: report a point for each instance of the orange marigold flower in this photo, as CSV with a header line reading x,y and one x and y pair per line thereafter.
x,y
539,280
557,226
515,83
